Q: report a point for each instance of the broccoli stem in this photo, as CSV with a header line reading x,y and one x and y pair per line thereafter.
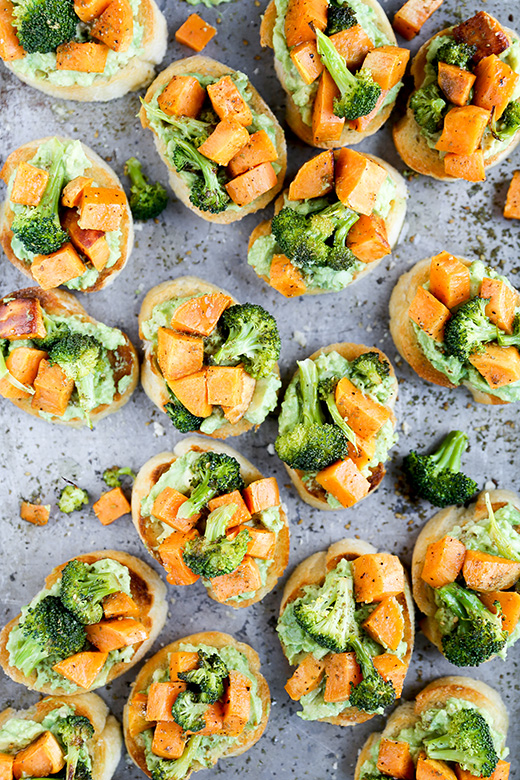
x,y
28,656
183,764
338,419
449,454
186,126
334,63
217,522
51,196
200,496
308,376
460,601
134,171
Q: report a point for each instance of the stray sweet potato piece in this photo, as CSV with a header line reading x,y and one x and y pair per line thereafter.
x,y
166,506
182,661
228,102
57,268
315,178
259,149
326,126
344,481
22,364
73,190
161,697
102,208
195,33
37,514
52,389
170,553
183,96
443,561
115,26
307,61
120,605
469,167
168,741
86,57
29,184
192,392
432,769
449,280
386,623
456,83
91,243
6,761
463,129
494,85
500,366
244,579
299,17
377,576
412,15
42,758
237,704
364,415
200,315
368,239
82,668
110,635
22,318
429,314
286,278
484,32
485,572
508,604
226,140
306,677
224,385
502,302
247,187
387,65
358,180
178,354
10,48
261,494
512,204
242,513
88,10
353,44
394,759
112,505
235,413
392,669
137,722
342,672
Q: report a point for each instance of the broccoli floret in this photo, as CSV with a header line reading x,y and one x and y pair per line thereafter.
x,y
77,354
509,123
74,732
467,741
453,53
55,331
83,772
312,444
38,227
329,618
207,192
214,474
251,338
112,476
83,589
469,329
147,201
194,130
373,693
437,477
182,419
42,25
48,630
429,107
208,678
327,393
359,93
339,17
513,339
178,769
477,635
213,553
72,498
188,711
371,368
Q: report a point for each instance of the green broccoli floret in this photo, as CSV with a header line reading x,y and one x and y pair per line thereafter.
x,y
359,93
371,368
42,25
251,338
72,498
207,192
112,476
82,590
48,630
168,769
339,17
77,354
469,329
327,393
55,331
467,741
477,635
513,339
453,53
147,201
214,474
329,618
182,419
74,731
509,123
188,711
373,693
208,678
194,130
213,554
83,772
437,477
38,227
428,106
312,444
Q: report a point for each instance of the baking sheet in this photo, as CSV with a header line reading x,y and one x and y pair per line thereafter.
x,y
461,218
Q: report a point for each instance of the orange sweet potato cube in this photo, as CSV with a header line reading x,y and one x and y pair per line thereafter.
x,y
88,10
195,33
463,129
73,190
326,126
21,318
362,452
353,44
168,740
120,605
286,278
394,759
387,65
82,668
412,15
368,239
235,413
52,389
259,149
183,96
108,635
6,761
22,363
37,514
228,102
502,302
485,572
429,314
84,57
455,82
343,672
192,391
500,366
484,32
200,315
392,669
449,280
29,184
512,204
115,26
386,623
261,494
306,677
469,167
247,187
358,180
161,698
244,579
170,552
242,513
364,415
178,354
508,604
261,543
433,769
443,561
314,178
224,385
136,713
307,61
57,268
344,481
111,506
494,86
91,243
166,506
182,661
226,140
377,576
10,48
300,14
102,208
237,704
42,757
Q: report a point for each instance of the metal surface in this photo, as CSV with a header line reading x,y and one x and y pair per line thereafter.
x,y
462,218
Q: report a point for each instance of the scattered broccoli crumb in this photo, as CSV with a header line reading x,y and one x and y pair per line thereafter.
x,y
72,498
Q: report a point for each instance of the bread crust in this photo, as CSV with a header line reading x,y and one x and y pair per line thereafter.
x,y
436,694
148,591
149,474
65,304
441,524
102,174
313,570
106,744
137,73
218,640
151,377
317,498
393,222
404,336
209,67
411,144
293,116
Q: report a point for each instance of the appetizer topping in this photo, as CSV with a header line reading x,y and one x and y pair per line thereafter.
x,y
37,514
42,25
147,201
72,498
111,506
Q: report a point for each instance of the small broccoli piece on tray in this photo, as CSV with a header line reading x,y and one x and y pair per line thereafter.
x,y
72,498
147,200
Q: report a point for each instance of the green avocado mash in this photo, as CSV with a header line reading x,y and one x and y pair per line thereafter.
x,y
17,733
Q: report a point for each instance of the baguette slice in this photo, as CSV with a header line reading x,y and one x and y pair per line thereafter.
x,y
102,174
106,744
137,73
312,571
160,661
148,591
149,531
209,67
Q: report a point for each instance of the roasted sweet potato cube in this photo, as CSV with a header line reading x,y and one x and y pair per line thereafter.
x,y
226,140
502,302
377,576
91,243
261,494
307,61
508,603
386,623
484,32
29,184
166,506
306,677
10,48
353,44
443,561
195,33
470,167
237,704
394,759
102,208
364,415
170,553
224,385
6,761
242,513
192,391
392,669
115,27
261,544
73,190
412,15
485,572
326,126
512,204
120,605
178,354
182,661
168,740
501,772
110,635
463,129
455,82
368,239
449,280
52,389
22,363
362,452
495,84
37,514
228,102
286,278
299,17
88,10
259,149
183,96
235,413
57,268
21,318
358,180
432,769
200,315
84,57
244,579
247,187
387,65
41,758
214,718
161,698
429,313
344,481
342,672
82,668
136,714
111,506
500,366
315,178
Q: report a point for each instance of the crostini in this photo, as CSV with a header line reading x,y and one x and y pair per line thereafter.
x,y
465,572
340,216
75,733
60,364
204,511
455,728
339,65
463,115
86,50
66,219
209,362
337,424
172,731
96,617
457,322
222,144
347,622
